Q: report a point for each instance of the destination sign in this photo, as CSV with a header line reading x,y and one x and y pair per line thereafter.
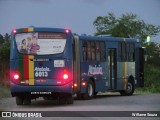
x,y
51,35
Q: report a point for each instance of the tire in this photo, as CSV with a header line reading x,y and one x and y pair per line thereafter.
x,y
27,101
70,100
62,100
45,98
79,96
95,93
89,91
19,100
129,90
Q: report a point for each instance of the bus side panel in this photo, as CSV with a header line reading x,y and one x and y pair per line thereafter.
x,y
124,71
97,71
120,75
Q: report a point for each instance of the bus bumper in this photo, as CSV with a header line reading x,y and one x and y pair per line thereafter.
x,y
19,90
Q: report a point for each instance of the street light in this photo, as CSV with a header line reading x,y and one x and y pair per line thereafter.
x,y
148,39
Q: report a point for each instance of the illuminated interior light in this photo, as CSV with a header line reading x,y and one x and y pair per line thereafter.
x,y
75,85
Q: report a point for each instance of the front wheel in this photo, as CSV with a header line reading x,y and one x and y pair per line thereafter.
x,y
89,91
129,89
19,100
27,101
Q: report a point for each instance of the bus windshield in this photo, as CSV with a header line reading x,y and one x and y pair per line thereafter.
x,y
41,43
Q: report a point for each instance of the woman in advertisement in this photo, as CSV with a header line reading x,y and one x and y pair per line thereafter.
x,y
34,45
23,46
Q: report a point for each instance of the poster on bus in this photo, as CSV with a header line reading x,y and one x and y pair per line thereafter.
x,y
40,43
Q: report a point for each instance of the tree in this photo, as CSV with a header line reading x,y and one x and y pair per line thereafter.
x,y
1,39
128,25
7,38
153,53
4,58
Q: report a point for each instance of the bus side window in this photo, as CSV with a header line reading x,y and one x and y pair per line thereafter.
x,y
128,52
98,51
84,51
93,51
88,51
124,55
103,51
122,51
132,52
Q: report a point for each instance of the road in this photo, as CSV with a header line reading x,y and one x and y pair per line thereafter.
x,y
105,102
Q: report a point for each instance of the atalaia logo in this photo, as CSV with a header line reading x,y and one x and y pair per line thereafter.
x,y
94,70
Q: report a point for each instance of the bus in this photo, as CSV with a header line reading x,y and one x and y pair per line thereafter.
x,y
54,63
41,64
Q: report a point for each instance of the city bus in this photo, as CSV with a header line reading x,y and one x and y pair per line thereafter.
x,y
54,63
41,64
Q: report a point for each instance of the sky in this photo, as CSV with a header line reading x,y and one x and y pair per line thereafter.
x,y
78,15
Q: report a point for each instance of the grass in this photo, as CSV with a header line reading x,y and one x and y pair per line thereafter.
x,y
4,91
152,80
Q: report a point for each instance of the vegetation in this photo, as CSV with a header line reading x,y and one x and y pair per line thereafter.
x,y
4,59
152,80
5,91
127,26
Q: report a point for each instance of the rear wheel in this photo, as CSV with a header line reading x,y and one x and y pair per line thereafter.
x,y
95,93
19,100
70,100
27,101
66,100
129,89
89,91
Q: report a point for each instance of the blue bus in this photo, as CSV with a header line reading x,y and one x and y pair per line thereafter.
x,y
55,64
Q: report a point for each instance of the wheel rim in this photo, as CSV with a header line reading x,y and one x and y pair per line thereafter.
x,y
90,90
129,87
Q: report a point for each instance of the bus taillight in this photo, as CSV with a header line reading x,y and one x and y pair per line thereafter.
x,y
14,31
67,30
65,76
16,76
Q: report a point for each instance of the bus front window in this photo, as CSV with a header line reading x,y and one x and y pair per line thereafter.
x,y
40,43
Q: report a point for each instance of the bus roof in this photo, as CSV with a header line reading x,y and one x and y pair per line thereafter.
x,y
107,38
39,29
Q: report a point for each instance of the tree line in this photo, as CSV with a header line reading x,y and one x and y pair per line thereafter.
x,y
4,58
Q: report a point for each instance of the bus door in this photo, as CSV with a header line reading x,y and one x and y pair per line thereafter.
x,y
76,63
112,64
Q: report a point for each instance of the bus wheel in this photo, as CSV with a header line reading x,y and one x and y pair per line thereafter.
x,y
27,101
62,100
19,100
129,90
89,91
95,93
70,100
